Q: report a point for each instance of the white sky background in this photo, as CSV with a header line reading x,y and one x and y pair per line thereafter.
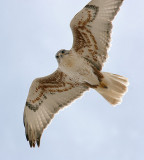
x,y
31,32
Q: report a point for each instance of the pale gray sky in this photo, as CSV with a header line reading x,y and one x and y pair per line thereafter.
x,y
31,32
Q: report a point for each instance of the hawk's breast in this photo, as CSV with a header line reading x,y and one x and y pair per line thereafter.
x,y
77,68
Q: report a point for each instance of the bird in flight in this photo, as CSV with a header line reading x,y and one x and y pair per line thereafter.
x,y
79,69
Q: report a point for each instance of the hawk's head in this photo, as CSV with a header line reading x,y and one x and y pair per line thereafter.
x,y
60,54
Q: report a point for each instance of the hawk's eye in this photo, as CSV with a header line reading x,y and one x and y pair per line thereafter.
x,y
63,51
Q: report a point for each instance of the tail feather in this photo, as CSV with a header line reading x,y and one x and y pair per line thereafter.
x,y
116,87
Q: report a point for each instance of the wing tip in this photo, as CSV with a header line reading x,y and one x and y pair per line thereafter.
x,y
27,138
32,143
38,142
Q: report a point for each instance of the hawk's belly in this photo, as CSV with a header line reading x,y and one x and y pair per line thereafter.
x,y
79,70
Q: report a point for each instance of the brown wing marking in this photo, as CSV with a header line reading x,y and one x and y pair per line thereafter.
x,y
79,41
49,85
95,9
83,37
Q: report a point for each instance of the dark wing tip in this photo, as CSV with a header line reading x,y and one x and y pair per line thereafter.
x,y
32,143
27,137
38,141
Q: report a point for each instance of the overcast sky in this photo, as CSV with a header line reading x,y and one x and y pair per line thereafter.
x,y
31,32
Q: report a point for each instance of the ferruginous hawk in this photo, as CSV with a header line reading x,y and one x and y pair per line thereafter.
x,y
78,69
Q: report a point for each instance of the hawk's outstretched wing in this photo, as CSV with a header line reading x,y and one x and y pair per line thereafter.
x,y
46,96
91,29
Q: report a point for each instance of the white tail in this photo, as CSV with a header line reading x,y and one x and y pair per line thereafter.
x,y
116,87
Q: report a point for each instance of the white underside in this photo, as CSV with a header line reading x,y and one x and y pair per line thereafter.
x,y
78,69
